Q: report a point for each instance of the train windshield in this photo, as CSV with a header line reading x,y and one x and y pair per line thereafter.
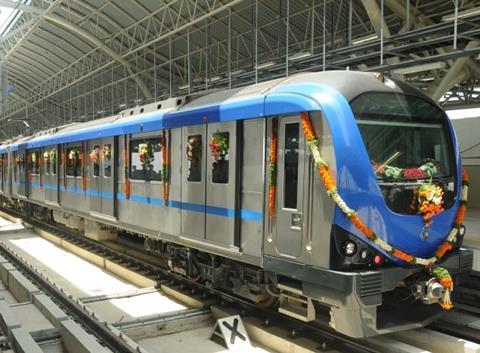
x,y
405,136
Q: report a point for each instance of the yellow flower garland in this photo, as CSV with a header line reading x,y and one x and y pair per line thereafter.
x,y
439,273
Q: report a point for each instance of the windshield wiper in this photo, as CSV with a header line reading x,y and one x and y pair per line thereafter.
x,y
388,161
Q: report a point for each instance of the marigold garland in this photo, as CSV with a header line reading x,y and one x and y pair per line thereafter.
x,y
193,149
126,164
219,146
166,165
64,166
94,155
29,170
443,248
145,151
272,170
83,168
430,201
41,162
106,152
460,214
441,274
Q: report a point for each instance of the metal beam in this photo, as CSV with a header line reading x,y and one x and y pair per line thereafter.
x,y
452,76
373,11
474,67
82,33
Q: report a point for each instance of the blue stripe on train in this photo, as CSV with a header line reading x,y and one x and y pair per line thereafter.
x,y
245,214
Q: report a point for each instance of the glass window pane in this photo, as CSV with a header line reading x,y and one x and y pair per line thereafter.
x,y
107,160
194,158
405,136
95,158
35,162
219,149
291,165
46,161
73,161
53,160
146,159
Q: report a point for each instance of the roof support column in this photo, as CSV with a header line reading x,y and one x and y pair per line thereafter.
x,y
452,76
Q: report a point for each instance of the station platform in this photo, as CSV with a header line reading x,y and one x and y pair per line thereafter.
x,y
472,235
148,317
472,223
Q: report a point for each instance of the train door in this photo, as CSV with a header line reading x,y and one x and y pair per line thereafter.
x,y
100,158
193,181
23,160
2,167
221,183
291,155
94,179
108,177
50,155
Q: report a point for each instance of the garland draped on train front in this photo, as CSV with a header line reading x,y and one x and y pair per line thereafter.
x,y
441,274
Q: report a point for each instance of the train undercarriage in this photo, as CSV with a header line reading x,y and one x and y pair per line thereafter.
x,y
358,304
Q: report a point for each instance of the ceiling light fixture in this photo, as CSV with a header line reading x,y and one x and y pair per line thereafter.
x,y
299,56
462,14
420,68
265,65
365,39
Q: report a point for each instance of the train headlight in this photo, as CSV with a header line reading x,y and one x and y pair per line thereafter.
x,y
364,254
461,231
349,248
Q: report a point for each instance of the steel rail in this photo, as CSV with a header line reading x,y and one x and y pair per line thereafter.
x,y
316,331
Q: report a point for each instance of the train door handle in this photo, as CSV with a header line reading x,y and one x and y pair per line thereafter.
x,y
297,221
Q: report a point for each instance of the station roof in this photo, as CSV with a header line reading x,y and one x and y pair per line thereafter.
x,y
80,60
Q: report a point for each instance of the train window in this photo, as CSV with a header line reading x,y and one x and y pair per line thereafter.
x,y
73,161
35,162
53,160
291,165
2,165
146,159
194,157
107,160
219,149
46,161
95,158
402,135
19,163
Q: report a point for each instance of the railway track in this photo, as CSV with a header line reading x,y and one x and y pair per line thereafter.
x,y
132,257
326,338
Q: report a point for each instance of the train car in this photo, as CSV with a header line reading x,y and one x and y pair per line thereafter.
x,y
308,189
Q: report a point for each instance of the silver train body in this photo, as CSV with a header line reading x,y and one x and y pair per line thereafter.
x,y
219,232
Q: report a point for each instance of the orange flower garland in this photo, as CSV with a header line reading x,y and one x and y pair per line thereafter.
x,y
64,167
460,214
430,202
166,166
272,169
125,167
83,168
441,274
443,248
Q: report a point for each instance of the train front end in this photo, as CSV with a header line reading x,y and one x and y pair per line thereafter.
x,y
405,198
396,181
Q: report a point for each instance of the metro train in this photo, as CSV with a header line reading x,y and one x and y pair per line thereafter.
x,y
301,193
